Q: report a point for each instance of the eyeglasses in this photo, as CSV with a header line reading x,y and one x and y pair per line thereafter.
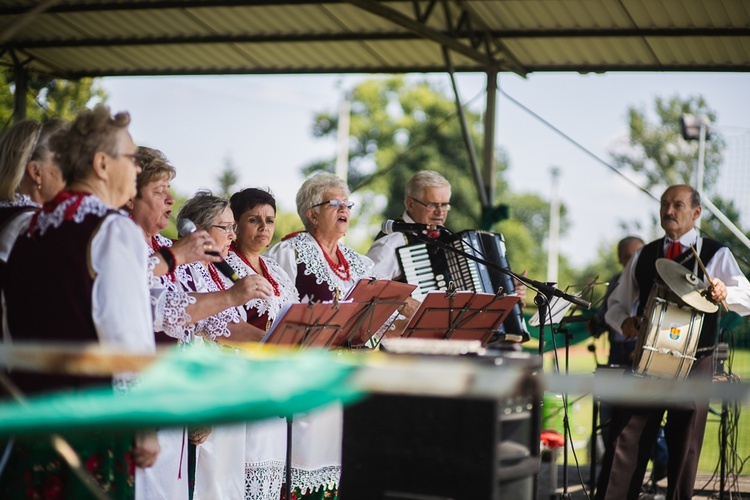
x,y
335,203
434,206
229,228
133,157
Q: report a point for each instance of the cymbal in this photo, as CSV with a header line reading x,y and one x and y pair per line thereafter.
x,y
685,284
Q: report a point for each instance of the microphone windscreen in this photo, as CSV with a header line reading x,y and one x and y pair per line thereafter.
x,y
387,227
185,227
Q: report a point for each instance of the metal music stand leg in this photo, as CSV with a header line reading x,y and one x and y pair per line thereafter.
x,y
288,471
593,445
723,448
566,424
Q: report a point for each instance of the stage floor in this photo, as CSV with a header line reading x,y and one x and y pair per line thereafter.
x,y
706,487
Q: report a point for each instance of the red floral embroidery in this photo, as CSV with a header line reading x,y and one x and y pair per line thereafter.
x,y
94,463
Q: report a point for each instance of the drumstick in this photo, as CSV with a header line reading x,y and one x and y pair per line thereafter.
x,y
705,273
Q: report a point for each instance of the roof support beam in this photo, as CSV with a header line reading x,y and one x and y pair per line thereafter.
x,y
360,36
425,31
488,155
466,133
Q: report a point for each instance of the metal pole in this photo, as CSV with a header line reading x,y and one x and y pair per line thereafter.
x,y
20,79
342,140
488,160
554,227
466,134
701,161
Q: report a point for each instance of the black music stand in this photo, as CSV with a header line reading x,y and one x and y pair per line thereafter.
x,y
468,316
376,301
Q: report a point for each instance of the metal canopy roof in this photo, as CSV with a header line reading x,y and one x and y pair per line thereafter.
x,y
75,38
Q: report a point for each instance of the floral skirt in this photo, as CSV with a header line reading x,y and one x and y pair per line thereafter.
x,y
321,494
36,471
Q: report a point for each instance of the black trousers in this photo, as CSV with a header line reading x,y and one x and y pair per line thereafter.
x,y
633,434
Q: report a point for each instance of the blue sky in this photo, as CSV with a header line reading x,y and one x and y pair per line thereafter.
x,y
263,123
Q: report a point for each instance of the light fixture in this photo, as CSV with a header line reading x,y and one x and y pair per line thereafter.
x,y
690,127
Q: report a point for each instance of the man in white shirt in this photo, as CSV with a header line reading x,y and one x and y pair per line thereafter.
x,y
634,429
427,201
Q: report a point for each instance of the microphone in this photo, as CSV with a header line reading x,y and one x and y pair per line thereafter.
x,y
185,227
394,226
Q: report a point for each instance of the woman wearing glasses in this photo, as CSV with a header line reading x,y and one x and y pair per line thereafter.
x,y
322,268
83,260
212,214
319,264
220,452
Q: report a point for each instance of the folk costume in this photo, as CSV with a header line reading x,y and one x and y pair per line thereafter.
x,y
86,262
634,429
167,479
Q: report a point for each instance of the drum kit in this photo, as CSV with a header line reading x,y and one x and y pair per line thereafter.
x,y
668,338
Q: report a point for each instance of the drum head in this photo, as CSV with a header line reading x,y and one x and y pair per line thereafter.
x,y
685,285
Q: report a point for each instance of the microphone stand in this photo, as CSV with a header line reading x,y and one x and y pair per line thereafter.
x,y
545,292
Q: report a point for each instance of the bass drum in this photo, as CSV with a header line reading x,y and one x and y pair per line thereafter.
x,y
668,337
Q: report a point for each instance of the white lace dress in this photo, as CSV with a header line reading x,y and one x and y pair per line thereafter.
x,y
168,478
316,436
220,461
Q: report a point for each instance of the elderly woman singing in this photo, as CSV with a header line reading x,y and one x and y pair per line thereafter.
x,y
176,307
322,268
79,274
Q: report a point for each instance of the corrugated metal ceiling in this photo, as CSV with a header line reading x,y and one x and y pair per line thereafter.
x,y
74,38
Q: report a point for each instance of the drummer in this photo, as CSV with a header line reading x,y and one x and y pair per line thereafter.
x,y
635,429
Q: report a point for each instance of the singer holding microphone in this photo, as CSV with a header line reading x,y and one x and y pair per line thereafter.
x,y
220,455
176,307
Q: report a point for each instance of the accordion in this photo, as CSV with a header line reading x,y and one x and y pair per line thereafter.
x,y
433,268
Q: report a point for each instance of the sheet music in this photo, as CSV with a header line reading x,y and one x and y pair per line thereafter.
x,y
557,310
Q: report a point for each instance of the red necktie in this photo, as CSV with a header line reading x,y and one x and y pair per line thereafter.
x,y
674,250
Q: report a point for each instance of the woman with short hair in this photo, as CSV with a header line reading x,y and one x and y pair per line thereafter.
x,y
83,264
322,268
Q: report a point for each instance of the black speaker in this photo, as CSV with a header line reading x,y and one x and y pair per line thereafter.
x,y
429,448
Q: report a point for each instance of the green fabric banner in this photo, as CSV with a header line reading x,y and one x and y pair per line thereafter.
x,y
193,385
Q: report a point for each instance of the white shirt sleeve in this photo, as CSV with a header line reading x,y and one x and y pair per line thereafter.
x,y
121,306
724,266
621,303
285,256
383,253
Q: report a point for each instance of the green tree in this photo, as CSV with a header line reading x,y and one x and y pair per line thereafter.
x,y
49,97
657,151
401,126
228,178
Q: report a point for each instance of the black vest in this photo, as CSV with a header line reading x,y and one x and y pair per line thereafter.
x,y
645,274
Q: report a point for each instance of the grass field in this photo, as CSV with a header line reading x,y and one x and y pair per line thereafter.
x,y
580,413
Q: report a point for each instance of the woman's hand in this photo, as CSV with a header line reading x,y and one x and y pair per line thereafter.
x,y
145,448
198,435
194,247
248,288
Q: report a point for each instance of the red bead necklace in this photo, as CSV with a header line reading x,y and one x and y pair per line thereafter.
x,y
341,269
215,277
263,268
